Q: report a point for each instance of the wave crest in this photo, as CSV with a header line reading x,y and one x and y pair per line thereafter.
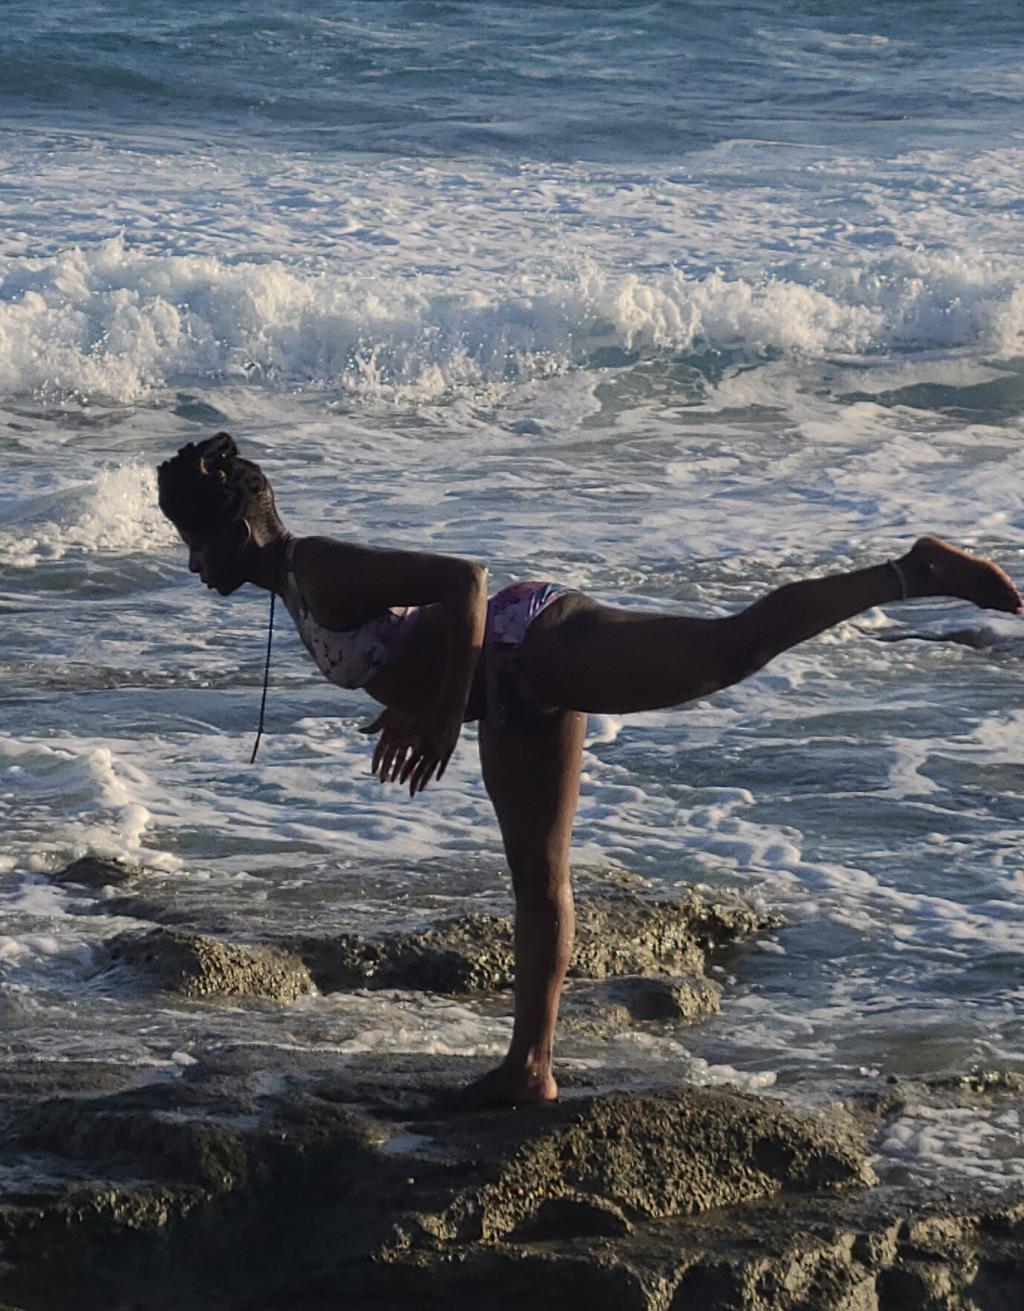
x,y
112,322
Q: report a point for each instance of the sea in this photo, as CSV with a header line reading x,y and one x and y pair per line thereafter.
x,y
670,302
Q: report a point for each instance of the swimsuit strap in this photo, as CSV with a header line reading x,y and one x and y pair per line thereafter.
x,y
351,658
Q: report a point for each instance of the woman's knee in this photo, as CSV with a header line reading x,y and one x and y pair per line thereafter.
x,y
740,650
540,884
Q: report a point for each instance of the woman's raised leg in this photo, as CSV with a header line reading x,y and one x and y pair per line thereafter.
x,y
597,658
531,768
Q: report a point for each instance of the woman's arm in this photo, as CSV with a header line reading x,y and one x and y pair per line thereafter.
x,y
346,585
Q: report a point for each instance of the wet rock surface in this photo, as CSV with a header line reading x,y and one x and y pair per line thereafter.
x,y
199,966
632,1158
658,948
96,872
293,1182
470,954
259,1178
624,934
615,1004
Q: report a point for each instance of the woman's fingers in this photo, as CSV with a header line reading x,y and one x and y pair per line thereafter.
x,y
418,770
392,758
383,757
397,736
426,766
401,755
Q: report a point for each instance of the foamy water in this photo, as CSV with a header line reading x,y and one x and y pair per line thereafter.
x,y
463,283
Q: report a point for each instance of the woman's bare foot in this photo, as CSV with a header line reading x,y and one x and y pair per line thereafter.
x,y
507,1085
934,568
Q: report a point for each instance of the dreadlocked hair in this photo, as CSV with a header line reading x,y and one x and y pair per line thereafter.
x,y
207,487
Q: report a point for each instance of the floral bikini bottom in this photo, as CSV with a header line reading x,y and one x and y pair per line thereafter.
x,y
509,614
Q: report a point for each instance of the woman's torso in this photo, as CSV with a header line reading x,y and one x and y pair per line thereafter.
x,y
398,656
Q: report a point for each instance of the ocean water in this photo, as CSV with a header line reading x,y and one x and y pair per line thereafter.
x,y
672,302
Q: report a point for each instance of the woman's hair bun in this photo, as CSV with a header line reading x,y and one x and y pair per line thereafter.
x,y
216,452
208,485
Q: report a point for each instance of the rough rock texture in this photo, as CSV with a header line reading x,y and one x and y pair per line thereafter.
x,y
629,934
469,954
266,1179
793,1255
658,949
629,1157
199,966
285,1182
613,1005
624,934
95,872
986,1081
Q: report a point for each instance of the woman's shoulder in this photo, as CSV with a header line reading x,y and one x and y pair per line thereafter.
x,y
316,552
330,576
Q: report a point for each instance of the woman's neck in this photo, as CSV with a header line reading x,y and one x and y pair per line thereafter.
x,y
268,563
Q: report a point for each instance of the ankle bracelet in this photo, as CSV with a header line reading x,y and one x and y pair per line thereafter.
x,y
901,579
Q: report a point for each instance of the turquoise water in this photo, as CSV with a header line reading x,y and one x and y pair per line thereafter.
x,y
669,302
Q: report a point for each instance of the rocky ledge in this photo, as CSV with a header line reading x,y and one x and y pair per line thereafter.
x,y
263,1179
624,934
280,1181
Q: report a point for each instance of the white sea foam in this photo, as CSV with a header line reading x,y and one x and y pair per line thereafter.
x,y
114,513
61,795
957,1144
111,320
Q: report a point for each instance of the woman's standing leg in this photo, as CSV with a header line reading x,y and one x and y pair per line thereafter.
x,y
531,768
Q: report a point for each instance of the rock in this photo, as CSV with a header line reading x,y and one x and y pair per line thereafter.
x,y
470,954
199,966
629,934
982,1082
625,934
96,872
640,1157
686,997
285,1180
612,1005
572,1216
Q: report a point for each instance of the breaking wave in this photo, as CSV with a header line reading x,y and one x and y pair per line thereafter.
x,y
110,322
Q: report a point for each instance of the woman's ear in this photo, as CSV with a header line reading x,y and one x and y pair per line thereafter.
x,y
241,530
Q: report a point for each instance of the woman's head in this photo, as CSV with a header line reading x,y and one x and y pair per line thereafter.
x,y
221,505
208,488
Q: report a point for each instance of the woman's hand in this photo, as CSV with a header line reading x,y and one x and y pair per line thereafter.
x,y
413,748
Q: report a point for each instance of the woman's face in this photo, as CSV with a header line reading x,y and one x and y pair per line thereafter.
x,y
219,558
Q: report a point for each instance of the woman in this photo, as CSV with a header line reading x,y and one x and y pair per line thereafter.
x,y
411,627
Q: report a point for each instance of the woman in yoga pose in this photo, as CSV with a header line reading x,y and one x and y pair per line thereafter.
x,y
418,633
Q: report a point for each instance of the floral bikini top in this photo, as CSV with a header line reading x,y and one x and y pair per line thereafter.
x,y
349,659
